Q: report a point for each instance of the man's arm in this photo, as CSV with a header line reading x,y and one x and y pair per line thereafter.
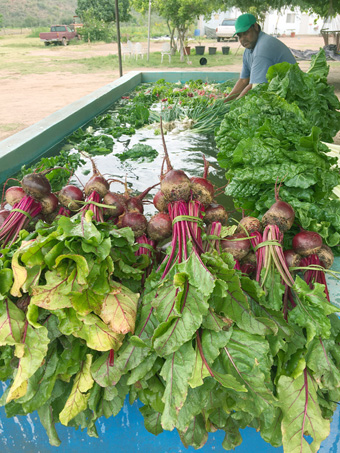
x,y
239,89
245,91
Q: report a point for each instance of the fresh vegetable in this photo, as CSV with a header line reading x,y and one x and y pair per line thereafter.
x,y
117,201
159,227
292,258
250,225
139,151
201,188
237,245
216,213
95,189
326,256
136,221
36,185
38,199
278,142
280,214
188,331
69,197
307,243
136,203
160,202
14,195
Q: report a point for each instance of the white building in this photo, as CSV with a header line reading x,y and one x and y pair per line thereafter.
x,y
283,22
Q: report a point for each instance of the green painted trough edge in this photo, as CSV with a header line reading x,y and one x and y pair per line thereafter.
x,y
39,139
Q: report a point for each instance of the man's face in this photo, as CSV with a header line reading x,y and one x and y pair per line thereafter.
x,y
248,38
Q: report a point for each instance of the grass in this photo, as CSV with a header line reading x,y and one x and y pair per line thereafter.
x,y
94,64
21,54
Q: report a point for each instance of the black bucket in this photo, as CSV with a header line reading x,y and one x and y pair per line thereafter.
x,y
199,50
225,50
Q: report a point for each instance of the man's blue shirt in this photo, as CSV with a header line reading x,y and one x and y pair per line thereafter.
x,y
267,52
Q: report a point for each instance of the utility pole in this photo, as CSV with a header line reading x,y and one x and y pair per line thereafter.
x,y
118,40
149,30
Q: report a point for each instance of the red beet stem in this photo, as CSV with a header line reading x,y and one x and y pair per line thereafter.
x,y
18,219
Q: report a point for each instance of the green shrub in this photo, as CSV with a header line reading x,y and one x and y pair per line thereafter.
x,y
36,31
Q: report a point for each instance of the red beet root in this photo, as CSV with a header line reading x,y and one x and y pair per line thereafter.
x,y
136,221
235,245
36,185
159,227
215,213
160,202
49,203
280,214
202,190
14,194
249,225
4,213
307,243
97,184
326,256
117,201
292,258
69,197
176,186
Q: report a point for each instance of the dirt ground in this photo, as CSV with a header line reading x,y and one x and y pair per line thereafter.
x,y
26,99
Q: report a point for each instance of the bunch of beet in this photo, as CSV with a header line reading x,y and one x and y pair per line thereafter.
x,y
32,198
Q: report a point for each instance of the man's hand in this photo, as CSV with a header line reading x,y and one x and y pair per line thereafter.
x,y
231,97
236,92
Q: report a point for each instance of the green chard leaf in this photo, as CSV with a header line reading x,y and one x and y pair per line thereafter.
x,y
325,367
301,414
46,419
180,311
247,358
311,310
176,371
196,434
78,399
152,420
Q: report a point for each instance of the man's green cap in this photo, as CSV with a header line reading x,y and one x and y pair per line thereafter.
x,y
244,22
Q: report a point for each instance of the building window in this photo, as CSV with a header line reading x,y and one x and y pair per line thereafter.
x,y
290,18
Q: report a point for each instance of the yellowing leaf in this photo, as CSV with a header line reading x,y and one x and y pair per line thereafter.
x,y
19,273
11,323
32,352
97,334
81,263
17,392
119,309
54,294
77,401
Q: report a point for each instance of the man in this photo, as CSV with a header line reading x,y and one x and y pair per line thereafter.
x,y
262,51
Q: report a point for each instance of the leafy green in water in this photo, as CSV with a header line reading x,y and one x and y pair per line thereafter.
x,y
139,151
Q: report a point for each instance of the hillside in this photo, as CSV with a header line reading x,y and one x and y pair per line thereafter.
x,y
35,13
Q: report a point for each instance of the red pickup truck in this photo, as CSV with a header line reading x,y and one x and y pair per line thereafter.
x,y
59,34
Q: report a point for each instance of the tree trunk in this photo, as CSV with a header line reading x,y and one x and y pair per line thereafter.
x,y
181,37
173,45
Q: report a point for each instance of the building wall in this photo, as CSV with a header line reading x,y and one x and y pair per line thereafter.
x,y
283,22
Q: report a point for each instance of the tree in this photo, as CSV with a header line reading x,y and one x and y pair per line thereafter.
x,y
323,8
179,14
104,10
